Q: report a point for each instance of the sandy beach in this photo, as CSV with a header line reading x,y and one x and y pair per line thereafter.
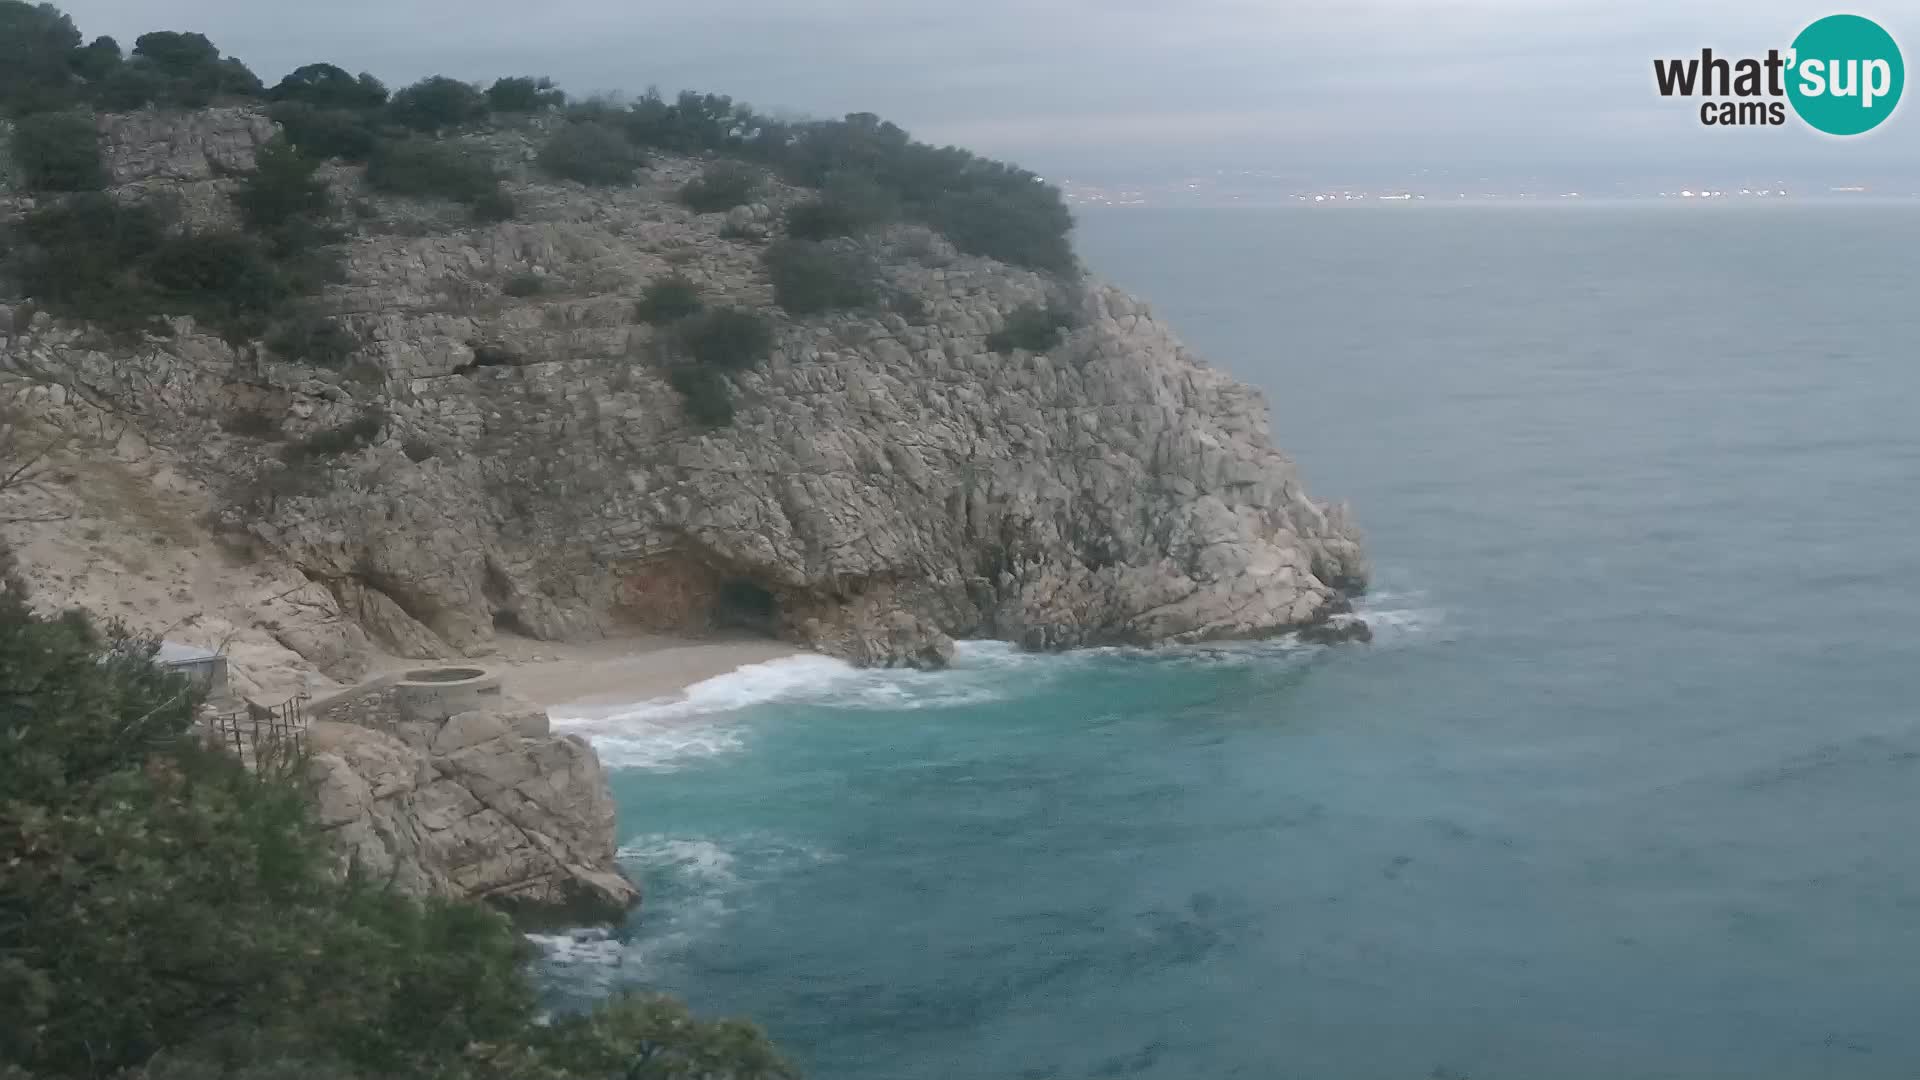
x,y
624,669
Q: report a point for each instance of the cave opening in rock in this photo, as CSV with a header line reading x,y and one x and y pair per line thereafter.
x,y
508,622
743,605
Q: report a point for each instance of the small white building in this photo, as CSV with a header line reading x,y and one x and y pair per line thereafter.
x,y
203,666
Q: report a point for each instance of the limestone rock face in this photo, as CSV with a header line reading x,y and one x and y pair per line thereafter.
x,y
889,482
484,805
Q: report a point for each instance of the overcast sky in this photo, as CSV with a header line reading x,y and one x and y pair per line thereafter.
x,y
1334,91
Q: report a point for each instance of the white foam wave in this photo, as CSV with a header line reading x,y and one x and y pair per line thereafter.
x,y
666,732
584,947
699,859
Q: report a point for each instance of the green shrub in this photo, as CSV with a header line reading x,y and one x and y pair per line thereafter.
x,y
426,169
524,94
36,41
283,189
191,72
97,61
668,299
129,87
1031,327
810,277
1015,229
81,256
593,154
252,424
323,132
494,205
59,151
324,86
309,337
437,103
728,339
223,278
908,306
706,394
527,284
692,123
494,354
721,186
848,205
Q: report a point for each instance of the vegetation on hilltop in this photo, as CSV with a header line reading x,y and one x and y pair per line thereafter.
x,y
870,170
167,914
86,256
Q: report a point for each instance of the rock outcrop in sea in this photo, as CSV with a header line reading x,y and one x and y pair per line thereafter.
x,y
888,483
482,803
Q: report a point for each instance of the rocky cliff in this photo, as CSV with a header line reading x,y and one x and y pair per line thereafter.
x,y
482,804
888,482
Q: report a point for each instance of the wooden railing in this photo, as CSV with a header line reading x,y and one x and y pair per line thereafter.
x,y
260,734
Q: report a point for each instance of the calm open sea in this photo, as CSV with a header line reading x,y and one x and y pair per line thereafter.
x,y
1629,786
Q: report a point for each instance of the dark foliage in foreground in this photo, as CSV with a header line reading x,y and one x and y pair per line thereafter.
x,y
169,914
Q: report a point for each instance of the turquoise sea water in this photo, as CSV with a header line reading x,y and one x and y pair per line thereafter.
x,y
1628,786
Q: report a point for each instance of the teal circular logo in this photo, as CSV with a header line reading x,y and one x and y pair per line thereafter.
x,y
1845,75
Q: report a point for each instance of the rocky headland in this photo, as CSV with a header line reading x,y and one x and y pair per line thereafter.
x,y
500,447
888,482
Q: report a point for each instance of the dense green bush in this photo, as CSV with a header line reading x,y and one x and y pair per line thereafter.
x,y
495,354
81,257
706,393
1006,226
526,284
283,192
58,151
97,60
348,134
309,337
810,277
425,169
691,124
722,186
324,86
727,339
129,87
591,153
668,299
223,278
437,103
36,44
251,423
88,257
524,94
870,171
1031,327
191,72
849,204
493,205
171,912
